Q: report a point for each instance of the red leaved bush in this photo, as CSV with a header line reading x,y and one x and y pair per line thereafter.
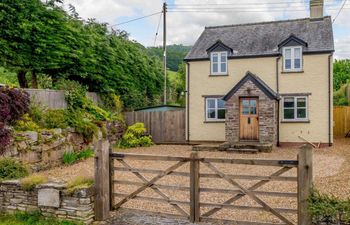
x,y
13,104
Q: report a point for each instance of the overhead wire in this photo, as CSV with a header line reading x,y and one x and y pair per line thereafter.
x,y
132,20
341,8
155,38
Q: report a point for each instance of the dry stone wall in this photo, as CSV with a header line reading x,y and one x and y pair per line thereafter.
x,y
44,149
50,199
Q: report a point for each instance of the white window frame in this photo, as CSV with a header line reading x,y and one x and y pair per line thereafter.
x,y
216,110
219,63
292,58
296,108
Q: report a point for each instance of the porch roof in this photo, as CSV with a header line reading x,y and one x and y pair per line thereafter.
x,y
257,81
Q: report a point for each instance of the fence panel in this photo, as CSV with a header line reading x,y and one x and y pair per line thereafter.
x,y
165,127
341,117
54,99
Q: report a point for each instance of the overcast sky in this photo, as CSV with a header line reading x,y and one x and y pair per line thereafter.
x,y
185,27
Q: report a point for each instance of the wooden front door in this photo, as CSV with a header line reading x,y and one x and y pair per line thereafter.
x,y
249,119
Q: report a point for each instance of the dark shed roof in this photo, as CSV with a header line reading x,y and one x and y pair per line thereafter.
x,y
259,39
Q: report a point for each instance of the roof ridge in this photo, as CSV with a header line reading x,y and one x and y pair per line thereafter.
x,y
265,22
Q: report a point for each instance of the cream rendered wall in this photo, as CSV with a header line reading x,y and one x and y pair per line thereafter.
x,y
203,84
313,80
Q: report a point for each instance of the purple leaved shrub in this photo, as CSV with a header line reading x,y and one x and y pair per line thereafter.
x,y
14,103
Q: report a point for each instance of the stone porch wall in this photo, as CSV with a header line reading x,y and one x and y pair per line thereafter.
x,y
50,199
267,114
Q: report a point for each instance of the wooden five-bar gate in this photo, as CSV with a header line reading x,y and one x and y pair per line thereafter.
x,y
193,207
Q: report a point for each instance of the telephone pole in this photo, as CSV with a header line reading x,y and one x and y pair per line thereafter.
x,y
164,49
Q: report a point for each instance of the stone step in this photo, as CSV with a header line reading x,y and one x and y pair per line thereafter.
x,y
243,150
261,147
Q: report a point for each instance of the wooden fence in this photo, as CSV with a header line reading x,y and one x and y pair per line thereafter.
x,y
164,127
243,196
54,99
341,117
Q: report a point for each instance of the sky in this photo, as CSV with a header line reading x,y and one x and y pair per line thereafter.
x,y
185,27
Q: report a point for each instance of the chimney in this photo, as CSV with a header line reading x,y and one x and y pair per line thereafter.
x,y
316,9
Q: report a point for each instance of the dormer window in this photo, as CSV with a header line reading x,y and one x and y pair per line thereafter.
x,y
218,63
292,58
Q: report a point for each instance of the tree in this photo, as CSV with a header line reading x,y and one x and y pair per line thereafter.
x,y
42,38
341,73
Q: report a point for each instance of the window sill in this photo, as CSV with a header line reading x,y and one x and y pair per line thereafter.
x,y
214,121
218,75
295,121
292,71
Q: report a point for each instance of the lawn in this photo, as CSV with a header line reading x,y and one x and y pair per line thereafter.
x,y
331,175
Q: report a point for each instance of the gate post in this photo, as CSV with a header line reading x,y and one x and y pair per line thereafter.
x,y
194,188
102,200
304,183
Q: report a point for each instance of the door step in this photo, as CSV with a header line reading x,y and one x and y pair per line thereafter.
x,y
243,150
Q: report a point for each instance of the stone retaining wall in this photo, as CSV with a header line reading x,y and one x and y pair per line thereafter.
x,y
44,149
50,199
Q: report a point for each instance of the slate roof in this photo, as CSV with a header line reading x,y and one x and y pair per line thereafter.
x,y
259,39
257,81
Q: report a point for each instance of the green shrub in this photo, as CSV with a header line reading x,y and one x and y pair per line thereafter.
x,y
26,124
30,182
31,218
78,183
36,112
82,125
12,169
55,119
75,93
135,137
328,208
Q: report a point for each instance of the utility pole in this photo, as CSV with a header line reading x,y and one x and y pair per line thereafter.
x,y
164,49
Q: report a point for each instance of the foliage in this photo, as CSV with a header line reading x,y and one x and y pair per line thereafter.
x,y
341,73
41,38
135,137
177,86
85,154
72,157
83,126
329,209
31,218
30,182
5,138
55,118
175,55
69,158
8,78
12,169
14,103
340,96
26,123
75,93
79,182
112,102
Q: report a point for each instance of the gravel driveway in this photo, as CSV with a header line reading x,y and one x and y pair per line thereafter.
x,y
331,175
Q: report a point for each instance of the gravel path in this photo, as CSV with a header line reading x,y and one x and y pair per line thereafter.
x,y
331,175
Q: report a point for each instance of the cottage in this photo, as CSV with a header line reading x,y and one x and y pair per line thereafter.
x,y
268,82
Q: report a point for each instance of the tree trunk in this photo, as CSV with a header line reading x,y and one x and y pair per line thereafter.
x,y
21,76
34,80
